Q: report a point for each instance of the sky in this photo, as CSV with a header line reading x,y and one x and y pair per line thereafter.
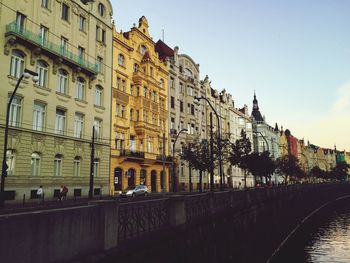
x,y
294,54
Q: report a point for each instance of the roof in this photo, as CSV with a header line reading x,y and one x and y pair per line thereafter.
x,y
163,50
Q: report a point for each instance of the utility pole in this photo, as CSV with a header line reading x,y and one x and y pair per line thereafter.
x,y
91,187
163,178
211,154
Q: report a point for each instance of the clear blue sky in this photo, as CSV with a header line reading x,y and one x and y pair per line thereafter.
x,y
295,54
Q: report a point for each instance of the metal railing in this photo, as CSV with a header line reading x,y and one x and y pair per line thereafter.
x,y
50,46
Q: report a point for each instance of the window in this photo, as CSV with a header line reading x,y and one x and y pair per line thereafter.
x,y
20,21
101,9
44,33
162,83
38,116
103,36
142,49
181,106
119,141
35,164
64,45
131,114
100,34
82,23
65,12
77,161
57,165
45,3
80,89
121,60
171,82
60,121
42,70
136,67
131,89
192,109
17,64
172,123
123,85
188,108
81,53
181,87
15,111
10,161
78,125
189,90
62,85
98,128
98,95
132,143
172,102
99,64
145,92
96,167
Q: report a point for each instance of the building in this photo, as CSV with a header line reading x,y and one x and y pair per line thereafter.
x,y
240,120
265,137
185,114
139,127
51,121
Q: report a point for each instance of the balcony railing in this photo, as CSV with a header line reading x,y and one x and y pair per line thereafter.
x,y
37,40
168,158
130,153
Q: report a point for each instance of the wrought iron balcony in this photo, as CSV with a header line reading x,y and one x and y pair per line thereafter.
x,y
129,153
51,49
168,158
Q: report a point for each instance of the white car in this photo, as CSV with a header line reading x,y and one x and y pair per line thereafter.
x,y
136,191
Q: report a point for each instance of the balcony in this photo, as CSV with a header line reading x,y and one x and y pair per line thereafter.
x,y
168,158
132,154
121,96
33,41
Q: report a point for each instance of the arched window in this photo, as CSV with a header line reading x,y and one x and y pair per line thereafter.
x,y
42,70
188,72
58,165
136,67
80,89
62,85
77,165
121,60
17,63
10,161
143,49
98,95
101,9
35,164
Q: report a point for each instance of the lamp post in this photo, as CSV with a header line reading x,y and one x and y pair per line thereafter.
x,y
26,74
173,161
218,138
267,144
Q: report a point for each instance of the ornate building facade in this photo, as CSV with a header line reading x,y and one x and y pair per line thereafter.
x,y
139,127
68,43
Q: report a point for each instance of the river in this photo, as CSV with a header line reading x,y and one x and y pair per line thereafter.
x,y
324,238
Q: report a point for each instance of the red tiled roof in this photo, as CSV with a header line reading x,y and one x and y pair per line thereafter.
x,y
164,50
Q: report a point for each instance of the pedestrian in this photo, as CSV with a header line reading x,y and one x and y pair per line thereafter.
x,y
40,195
60,194
64,192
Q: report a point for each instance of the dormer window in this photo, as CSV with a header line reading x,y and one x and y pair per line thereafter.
x,y
101,9
143,49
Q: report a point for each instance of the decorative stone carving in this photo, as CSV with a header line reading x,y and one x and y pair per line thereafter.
x,y
34,54
38,143
9,42
56,64
59,146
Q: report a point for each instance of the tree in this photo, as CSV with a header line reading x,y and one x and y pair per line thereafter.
x,y
340,171
239,154
197,156
288,166
261,165
317,172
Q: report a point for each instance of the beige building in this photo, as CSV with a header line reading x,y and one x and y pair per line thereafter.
x,y
139,112
68,43
184,112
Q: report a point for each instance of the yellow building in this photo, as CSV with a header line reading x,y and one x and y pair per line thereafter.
x,y
139,112
68,43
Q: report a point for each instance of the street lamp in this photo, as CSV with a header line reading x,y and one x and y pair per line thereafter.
x,y
267,144
26,74
218,138
173,161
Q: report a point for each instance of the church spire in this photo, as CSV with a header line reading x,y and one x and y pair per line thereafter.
x,y
255,112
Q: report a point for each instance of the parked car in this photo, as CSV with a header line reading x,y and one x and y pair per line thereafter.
x,y
135,191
